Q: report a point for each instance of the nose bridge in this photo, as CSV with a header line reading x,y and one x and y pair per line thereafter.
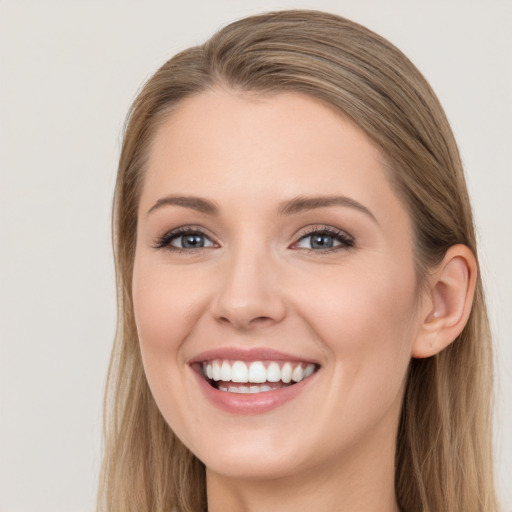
x,y
248,291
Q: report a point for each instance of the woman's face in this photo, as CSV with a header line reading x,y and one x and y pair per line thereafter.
x,y
271,245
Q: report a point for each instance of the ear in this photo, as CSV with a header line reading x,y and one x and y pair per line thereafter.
x,y
447,303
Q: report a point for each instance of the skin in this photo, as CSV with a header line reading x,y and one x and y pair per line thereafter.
x,y
258,283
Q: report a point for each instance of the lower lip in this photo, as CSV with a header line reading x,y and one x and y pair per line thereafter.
x,y
251,403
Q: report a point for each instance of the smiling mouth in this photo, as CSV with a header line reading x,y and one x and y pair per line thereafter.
x,y
254,377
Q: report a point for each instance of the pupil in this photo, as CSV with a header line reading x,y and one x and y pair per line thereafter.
x,y
193,241
322,242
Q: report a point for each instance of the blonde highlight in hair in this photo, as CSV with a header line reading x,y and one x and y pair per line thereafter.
x,y
444,452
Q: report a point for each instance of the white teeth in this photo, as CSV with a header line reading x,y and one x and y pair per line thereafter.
x,y
245,389
239,372
225,371
255,373
310,368
286,373
297,374
273,372
216,370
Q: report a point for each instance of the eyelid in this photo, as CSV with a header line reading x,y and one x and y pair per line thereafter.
x,y
164,241
346,239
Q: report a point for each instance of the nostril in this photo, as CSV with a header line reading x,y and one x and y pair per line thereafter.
x,y
261,320
241,323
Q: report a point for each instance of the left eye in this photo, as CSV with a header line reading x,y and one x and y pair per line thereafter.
x,y
324,241
190,240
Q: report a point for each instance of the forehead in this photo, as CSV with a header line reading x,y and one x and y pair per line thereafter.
x,y
222,142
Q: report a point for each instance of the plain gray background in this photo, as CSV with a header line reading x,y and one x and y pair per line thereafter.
x,y
68,73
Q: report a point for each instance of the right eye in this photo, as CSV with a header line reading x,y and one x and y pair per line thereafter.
x,y
184,239
191,241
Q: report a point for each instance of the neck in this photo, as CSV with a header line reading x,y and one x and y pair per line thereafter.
x,y
361,483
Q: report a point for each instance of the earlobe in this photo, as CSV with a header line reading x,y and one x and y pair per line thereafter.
x,y
450,297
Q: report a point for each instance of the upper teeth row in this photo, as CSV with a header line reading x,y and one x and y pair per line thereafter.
x,y
256,372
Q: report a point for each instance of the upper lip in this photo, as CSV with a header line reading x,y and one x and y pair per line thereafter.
x,y
248,355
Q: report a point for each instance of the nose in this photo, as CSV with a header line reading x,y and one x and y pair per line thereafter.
x,y
248,294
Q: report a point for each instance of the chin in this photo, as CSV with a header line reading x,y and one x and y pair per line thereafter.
x,y
253,464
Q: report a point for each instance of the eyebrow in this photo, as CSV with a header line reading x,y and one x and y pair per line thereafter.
x,y
195,203
305,203
290,207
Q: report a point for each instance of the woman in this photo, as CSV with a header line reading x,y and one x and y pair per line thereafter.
x,y
301,321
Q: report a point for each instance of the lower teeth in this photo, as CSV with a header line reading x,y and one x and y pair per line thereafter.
x,y
249,389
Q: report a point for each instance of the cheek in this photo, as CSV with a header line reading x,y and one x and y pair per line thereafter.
x,y
164,316
163,306
160,318
366,319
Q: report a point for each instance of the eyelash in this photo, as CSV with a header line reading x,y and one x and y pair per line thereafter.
x,y
346,241
164,242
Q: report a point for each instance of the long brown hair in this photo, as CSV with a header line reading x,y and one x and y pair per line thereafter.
x,y
444,454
